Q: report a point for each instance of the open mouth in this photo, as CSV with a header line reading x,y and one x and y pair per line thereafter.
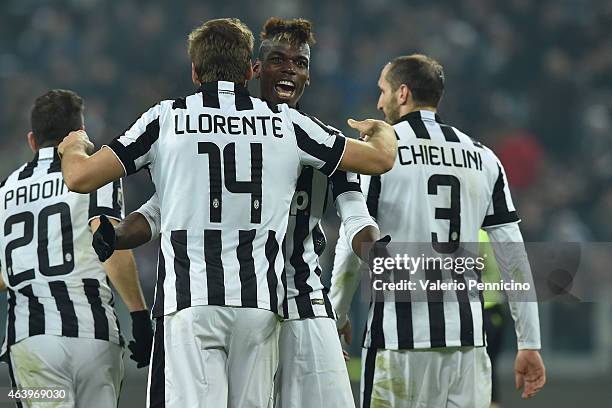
x,y
284,89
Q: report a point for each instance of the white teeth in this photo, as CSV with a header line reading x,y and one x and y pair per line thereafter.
x,y
289,83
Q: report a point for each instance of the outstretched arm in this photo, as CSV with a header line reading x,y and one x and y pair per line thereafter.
x,y
84,173
376,153
507,243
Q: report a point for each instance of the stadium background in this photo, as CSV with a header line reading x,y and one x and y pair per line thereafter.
x,y
529,78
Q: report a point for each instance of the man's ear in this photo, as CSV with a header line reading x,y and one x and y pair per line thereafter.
x,y
32,142
249,74
403,94
194,75
257,69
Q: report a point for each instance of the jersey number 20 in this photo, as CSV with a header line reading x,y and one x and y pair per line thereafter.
x,y
27,219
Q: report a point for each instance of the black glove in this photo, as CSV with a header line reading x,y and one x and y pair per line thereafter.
x,y
104,239
142,330
379,250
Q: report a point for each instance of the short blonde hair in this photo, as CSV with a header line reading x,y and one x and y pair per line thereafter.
x,y
221,50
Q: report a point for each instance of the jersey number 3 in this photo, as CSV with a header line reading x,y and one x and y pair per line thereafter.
x,y
452,214
252,187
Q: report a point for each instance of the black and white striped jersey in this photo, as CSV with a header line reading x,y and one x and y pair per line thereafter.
x,y
225,167
56,285
443,188
306,295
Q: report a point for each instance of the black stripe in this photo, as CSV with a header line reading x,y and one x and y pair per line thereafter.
x,y
330,156
10,331
377,333
419,128
28,170
435,304
157,387
403,313
465,313
213,246
3,182
500,206
158,304
36,312
368,377
70,324
271,253
130,153
374,195
284,280
178,239
93,205
179,103
300,234
340,184
449,133
243,102
210,96
92,291
248,279
56,164
18,403
329,308
498,219
117,197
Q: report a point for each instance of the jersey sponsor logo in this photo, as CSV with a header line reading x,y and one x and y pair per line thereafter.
x,y
318,302
299,202
230,125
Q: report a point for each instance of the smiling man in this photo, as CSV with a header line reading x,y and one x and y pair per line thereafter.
x,y
311,371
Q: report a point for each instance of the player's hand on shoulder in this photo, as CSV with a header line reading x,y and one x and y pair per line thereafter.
x,y
104,239
142,331
529,372
77,139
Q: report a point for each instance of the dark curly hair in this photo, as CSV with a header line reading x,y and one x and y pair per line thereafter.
x,y
295,31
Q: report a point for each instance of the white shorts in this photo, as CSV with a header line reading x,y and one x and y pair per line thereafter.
x,y
456,377
311,371
90,370
212,357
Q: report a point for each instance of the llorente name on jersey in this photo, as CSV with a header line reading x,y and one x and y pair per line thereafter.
x,y
440,156
35,191
232,125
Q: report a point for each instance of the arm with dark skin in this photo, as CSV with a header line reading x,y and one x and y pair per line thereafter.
x,y
132,232
364,240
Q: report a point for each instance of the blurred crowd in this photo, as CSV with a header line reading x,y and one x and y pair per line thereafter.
x,y
529,78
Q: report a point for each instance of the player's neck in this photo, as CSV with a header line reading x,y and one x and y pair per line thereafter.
x,y
404,110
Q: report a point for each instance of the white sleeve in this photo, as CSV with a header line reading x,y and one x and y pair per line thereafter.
x,y
318,145
507,243
345,278
150,210
354,214
137,147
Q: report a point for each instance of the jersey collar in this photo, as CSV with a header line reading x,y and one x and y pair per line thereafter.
x,y
220,86
421,114
47,153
